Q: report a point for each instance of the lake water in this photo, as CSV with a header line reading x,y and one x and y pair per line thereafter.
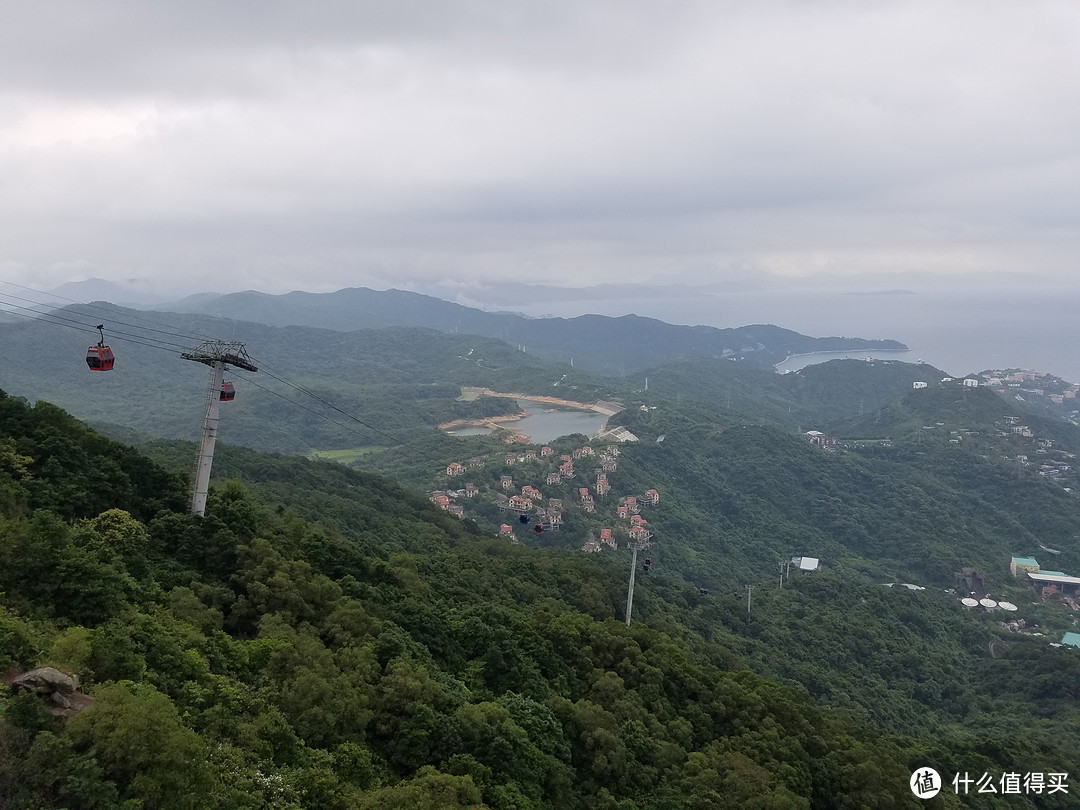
x,y
958,329
543,426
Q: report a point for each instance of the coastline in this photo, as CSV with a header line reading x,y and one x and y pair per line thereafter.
x,y
847,353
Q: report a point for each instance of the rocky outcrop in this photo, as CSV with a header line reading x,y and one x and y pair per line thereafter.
x,y
59,688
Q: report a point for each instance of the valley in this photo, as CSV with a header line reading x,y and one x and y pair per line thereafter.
x,y
482,568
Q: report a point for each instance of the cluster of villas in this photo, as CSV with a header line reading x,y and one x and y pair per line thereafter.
x,y
1033,384
966,382
547,514
819,439
566,461
636,527
1048,461
1022,384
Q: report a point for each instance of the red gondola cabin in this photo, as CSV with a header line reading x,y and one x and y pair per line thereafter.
x,y
100,358
228,394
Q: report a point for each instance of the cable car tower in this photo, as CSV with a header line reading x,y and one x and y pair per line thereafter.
x,y
217,354
639,543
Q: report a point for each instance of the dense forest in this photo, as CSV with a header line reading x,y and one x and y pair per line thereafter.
x,y
386,655
389,657
327,638
316,388
378,387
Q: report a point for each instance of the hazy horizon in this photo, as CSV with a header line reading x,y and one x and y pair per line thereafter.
x,y
266,146
952,327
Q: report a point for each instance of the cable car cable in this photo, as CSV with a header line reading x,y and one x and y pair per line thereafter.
x,y
53,314
325,402
309,410
107,307
59,320
83,327
52,319
394,441
45,318
122,336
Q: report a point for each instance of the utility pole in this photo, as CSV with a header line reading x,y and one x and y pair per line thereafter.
x,y
749,593
217,354
781,573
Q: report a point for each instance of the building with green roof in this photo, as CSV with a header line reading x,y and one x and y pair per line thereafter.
x,y
1071,639
1023,565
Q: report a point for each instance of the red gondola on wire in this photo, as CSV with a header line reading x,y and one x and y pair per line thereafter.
x,y
100,357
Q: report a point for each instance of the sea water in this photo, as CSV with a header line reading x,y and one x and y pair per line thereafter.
x,y
959,329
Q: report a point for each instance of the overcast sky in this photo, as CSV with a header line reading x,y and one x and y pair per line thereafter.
x,y
278,146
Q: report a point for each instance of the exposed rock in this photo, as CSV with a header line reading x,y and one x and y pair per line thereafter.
x,y
47,680
68,705
61,689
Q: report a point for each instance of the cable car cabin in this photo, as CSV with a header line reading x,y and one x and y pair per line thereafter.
x,y
228,394
100,358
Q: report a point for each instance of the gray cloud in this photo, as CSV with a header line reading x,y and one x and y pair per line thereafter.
x,y
279,145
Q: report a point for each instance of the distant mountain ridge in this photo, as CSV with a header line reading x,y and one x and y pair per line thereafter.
x,y
611,345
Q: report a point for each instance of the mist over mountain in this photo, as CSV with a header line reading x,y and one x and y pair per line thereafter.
x,y
132,292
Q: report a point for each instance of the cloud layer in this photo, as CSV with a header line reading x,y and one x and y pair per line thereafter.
x,y
282,145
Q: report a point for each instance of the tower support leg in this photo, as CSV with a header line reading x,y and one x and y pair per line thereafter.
x,y
209,439
630,590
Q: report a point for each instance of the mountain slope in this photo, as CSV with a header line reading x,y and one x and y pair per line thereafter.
x,y
371,387
599,343
252,659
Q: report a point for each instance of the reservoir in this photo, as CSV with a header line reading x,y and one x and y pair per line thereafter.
x,y
545,423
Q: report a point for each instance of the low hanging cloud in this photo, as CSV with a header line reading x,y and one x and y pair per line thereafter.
x,y
280,146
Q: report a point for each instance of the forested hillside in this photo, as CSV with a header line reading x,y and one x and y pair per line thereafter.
x,y
613,346
257,659
316,388
328,638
